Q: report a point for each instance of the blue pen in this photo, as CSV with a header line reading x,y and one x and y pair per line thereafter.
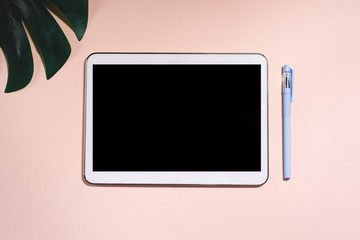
x,y
287,75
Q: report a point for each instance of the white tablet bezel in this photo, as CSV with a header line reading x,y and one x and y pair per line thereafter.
x,y
174,178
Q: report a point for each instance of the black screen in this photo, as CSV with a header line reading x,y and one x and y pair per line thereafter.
x,y
176,117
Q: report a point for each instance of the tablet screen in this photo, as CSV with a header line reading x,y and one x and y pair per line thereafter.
x,y
182,117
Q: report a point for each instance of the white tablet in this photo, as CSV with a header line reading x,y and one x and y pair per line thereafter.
x,y
176,119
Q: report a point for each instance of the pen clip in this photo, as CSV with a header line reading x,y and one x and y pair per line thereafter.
x,y
288,70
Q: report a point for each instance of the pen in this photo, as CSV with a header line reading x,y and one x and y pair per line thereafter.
x,y
287,81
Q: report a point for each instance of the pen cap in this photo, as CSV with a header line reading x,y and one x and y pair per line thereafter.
x,y
287,69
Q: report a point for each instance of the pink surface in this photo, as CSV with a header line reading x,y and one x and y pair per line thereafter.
x,y
43,196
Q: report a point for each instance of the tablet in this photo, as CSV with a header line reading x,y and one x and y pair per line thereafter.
x,y
176,119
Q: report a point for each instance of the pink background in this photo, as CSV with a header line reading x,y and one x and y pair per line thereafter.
x,y
43,195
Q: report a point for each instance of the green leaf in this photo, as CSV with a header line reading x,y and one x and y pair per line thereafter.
x,y
48,38
73,13
16,47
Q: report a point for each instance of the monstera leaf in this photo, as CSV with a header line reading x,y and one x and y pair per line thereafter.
x,y
48,38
